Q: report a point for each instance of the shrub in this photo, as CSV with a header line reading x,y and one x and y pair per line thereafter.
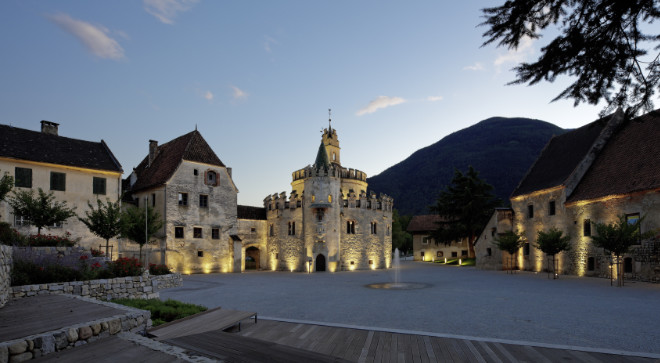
x,y
97,253
163,311
47,240
155,269
125,266
10,236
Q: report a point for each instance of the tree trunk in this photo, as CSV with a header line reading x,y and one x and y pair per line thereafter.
x,y
471,253
107,247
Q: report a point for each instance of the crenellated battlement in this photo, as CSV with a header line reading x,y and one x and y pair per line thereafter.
x,y
333,171
280,202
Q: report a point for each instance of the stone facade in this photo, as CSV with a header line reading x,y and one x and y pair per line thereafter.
x,y
193,192
329,221
424,246
35,346
6,263
584,177
130,287
87,171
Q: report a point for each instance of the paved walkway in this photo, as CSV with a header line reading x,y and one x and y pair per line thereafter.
x,y
462,302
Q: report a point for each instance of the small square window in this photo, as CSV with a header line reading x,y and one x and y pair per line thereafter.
x,y
253,230
215,233
551,208
530,211
98,185
23,177
464,253
178,232
197,232
454,254
211,178
21,221
371,262
203,201
489,251
195,172
200,253
183,199
57,181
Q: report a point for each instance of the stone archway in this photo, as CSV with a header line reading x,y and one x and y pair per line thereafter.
x,y
320,263
252,258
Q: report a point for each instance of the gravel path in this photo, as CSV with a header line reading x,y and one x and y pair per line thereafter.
x,y
528,307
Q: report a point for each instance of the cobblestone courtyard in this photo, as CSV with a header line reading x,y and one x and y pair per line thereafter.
x,y
525,307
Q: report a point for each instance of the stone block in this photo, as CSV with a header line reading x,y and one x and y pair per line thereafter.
x,y
18,348
114,326
96,329
104,326
20,357
4,354
30,344
84,332
61,340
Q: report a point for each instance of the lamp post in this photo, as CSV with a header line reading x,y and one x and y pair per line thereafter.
x,y
146,227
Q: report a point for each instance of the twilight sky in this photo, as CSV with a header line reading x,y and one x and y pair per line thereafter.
x,y
257,78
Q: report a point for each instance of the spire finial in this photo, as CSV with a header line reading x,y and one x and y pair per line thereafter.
x,y
329,120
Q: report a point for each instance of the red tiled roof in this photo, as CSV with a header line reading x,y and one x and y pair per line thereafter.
x,y
190,147
629,162
425,223
561,155
22,144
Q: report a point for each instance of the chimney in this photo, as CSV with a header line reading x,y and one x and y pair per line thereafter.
x,y
49,127
229,172
153,149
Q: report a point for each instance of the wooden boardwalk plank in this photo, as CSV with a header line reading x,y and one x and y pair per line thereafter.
x,y
365,349
429,349
490,353
214,319
440,349
474,351
221,345
501,347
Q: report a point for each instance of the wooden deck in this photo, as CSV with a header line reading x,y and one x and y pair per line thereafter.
x,y
357,345
207,321
40,314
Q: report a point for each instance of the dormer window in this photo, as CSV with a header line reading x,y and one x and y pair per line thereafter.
x,y
211,178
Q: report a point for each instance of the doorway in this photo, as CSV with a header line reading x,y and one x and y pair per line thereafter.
x,y
320,263
252,258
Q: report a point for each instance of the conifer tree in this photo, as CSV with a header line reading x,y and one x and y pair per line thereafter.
x,y
466,204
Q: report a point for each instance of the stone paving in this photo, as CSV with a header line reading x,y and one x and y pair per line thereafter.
x,y
462,301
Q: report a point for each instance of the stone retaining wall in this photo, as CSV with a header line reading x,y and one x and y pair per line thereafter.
x,y
35,346
6,253
132,287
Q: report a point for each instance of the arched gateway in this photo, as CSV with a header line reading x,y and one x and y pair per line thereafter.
x,y
320,263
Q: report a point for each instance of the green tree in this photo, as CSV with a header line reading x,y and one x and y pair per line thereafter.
x,y
551,243
139,226
401,239
41,210
104,221
604,44
467,203
510,242
617,238
6,184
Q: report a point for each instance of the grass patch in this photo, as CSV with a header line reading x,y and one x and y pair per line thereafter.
x,y
163,311
454,261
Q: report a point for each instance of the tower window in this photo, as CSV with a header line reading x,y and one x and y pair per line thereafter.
x,y
292,228
334,157
350,227
374,228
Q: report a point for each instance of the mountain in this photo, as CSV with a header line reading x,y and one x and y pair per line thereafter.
x,y
500,149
